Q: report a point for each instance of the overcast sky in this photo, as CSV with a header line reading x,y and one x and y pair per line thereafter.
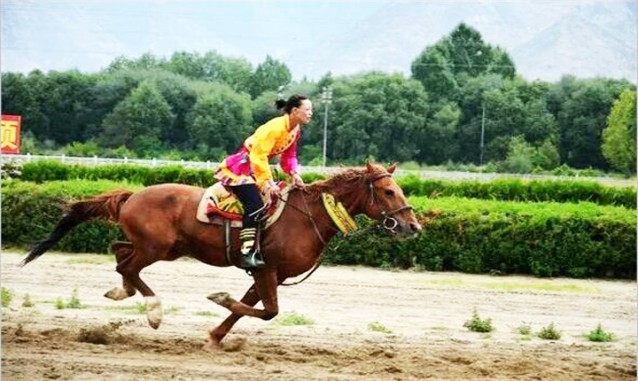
x,y
312,37
88,34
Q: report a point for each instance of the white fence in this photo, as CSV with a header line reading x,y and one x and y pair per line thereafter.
x,y
444,175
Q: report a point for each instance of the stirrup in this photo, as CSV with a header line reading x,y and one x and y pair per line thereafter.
x,y
252,260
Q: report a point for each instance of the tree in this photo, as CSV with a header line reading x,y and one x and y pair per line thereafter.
x,y
219,122
136,122
235,72
547,156
440,138
619,137
444,67
66,101
519,156
582,117
378,116
146,61
269,75
21,96
190,65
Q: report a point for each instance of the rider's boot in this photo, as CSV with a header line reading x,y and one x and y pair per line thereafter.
x,y
250,257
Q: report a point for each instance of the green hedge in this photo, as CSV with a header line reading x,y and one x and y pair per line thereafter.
x,y
468,235
50,170
519,190
500,189
30,211
478,236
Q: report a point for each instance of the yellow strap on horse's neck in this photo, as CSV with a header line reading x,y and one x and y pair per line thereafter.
x,y
339,214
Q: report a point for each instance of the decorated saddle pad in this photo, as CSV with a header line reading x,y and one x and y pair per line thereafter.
x,y
218,204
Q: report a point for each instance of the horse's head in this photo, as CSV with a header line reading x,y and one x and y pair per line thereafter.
x,y
386,202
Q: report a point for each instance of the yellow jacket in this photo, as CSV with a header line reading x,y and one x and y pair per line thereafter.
x,y
273,138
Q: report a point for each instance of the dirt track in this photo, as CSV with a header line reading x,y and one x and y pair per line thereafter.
x,y
419,319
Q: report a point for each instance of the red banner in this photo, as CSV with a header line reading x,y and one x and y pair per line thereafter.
x,y
10,133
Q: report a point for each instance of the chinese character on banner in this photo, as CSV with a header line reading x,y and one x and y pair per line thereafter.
x,y
10,133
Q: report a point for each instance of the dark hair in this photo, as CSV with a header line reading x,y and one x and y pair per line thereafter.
x,y
292,102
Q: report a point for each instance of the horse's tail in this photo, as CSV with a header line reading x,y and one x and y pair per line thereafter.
x,y
104,206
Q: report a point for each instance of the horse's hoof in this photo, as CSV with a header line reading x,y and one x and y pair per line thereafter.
x,y
220,298
118,293
212,346
153,311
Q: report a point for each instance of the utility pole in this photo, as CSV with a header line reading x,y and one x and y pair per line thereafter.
x,y
326,99
482,134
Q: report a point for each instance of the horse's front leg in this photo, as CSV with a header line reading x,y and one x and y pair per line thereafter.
x,y
266,287
218,333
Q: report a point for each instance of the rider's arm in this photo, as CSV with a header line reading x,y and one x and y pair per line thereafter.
x,y
288,160
262,143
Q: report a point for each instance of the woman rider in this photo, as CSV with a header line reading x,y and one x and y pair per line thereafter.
x,y
247,173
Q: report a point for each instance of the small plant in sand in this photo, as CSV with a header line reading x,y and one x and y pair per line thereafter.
x,y
476,324
140,307
549,333
294,318
59,304
375,326
6,297
26,301
599,335
74,301
524,329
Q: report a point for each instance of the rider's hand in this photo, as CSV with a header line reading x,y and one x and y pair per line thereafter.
x,y
297,180
271,190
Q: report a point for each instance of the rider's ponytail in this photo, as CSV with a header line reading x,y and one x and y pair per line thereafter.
x,y
280,103
292,102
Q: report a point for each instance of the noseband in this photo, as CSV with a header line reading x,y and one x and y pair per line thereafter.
x,y
389,223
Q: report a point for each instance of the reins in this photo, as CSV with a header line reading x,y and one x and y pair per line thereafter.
x,y
323,242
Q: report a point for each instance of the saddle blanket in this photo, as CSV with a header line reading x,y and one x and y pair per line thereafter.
x,y
218,204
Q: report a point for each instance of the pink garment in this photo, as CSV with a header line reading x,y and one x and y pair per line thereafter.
x,y
238,164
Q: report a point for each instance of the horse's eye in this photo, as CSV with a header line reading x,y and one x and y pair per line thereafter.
x,y
389,193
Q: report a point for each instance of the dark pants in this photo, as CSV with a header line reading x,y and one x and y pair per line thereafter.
x,y
250,198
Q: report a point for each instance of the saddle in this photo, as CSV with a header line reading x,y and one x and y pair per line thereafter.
x,y
218,206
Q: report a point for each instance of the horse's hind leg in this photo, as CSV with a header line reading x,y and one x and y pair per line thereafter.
x,y
218,333
130,269
122,250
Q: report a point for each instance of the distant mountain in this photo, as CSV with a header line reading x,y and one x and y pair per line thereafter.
x,y
545,38
575,46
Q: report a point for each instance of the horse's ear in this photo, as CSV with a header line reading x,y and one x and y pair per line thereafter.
x,y
392,167
369,166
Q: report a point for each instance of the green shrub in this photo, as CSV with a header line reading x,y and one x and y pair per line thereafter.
x,y
479,236
476,324
513,189
26,301
524,329
294,318
36,208
378,327
599,335
74,301
549,333
469,235
7,296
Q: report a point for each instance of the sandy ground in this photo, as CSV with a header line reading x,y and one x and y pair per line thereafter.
x,y
367,324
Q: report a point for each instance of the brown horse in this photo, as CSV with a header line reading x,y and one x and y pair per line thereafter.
x,y
159,221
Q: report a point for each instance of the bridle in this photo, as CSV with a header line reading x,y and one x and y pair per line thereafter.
x,y
389,223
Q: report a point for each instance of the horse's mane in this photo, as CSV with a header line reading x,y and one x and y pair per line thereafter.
x,y
343,182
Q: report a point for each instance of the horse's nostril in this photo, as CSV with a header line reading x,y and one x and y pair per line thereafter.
x,y
415,226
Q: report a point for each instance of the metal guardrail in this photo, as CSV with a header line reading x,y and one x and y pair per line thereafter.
x,y
443,175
